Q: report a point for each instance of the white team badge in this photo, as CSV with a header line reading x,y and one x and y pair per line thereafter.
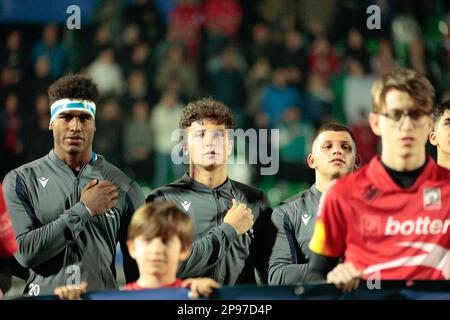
x,y
43,181
305,218
432,198
186,205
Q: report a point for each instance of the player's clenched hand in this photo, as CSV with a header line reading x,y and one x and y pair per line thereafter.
x,y
71,292
200,286
345,276
239,217
99,197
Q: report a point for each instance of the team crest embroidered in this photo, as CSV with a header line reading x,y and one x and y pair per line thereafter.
x,y
370,226
432,199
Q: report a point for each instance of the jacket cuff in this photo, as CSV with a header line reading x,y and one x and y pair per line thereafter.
x,y
229,231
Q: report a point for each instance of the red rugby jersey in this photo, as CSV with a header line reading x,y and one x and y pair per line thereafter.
x,y
382,228
8,244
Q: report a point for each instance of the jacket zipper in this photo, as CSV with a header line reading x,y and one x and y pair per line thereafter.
x,y
218,223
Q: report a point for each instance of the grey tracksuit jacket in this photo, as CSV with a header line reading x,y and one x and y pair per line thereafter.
x,y
217,251
294,221
59,241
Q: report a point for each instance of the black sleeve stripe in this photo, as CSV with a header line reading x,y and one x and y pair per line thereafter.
x,y
20,191
290,237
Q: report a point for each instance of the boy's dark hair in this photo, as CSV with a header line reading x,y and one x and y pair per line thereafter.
x,y
73,86
406,80
334,126
163,220
207,108
440,110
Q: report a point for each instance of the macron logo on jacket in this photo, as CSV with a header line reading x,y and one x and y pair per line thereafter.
x,y
43,181
186,205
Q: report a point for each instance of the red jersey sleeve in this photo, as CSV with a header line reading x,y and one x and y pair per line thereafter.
x,y
330,230
8,244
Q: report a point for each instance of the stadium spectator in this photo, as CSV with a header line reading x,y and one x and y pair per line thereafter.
x,y
163,126
138,141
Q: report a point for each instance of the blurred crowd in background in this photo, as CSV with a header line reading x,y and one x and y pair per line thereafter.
x,y
284,64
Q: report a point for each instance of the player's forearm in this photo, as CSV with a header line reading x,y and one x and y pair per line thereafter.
x,y
5,275
287,274
41,244
208,251
319,266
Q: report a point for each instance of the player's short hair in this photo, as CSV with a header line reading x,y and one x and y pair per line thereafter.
x,y
406,80
334,126
440,109
207,108
73,86
163,220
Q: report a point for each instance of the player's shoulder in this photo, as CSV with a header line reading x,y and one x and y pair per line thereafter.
x,y
168,190
114,174
295,201
250,192
27,170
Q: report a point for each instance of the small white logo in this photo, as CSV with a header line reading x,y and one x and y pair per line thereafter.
x,y
305,218
43,181
186,205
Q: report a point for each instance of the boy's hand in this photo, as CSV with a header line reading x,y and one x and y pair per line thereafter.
x,y
345,276
200,286
239,217
71,292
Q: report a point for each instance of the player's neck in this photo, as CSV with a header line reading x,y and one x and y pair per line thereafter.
x,y
443,159
211,178
399,163
153,281
322,182
74,161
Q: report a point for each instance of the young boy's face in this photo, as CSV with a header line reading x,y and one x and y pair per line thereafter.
x,y
157,258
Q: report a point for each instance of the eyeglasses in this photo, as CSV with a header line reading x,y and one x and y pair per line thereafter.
x,y
397,117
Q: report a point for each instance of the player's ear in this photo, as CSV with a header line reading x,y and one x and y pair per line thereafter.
x,y
374,121
311,161
131,248
50,126
433,138
358,162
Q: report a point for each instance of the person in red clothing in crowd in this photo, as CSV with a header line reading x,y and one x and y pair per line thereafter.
x,y
8,246
159,239
366,140
391,219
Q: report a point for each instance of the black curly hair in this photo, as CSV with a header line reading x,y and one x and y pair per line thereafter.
x,y
440,110
207,108
73,86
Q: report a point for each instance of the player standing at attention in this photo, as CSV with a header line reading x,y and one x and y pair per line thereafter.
x,y
391,218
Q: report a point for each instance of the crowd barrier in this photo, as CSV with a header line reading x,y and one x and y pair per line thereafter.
x,y
385,290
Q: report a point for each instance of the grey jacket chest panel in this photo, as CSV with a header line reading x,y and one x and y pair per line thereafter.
x,y
207,209
302,214
54,189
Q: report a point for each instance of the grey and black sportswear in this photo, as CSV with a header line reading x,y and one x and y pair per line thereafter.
x,y
217,251
59,241
294,221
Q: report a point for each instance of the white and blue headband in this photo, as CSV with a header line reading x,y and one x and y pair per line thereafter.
x,y
71,104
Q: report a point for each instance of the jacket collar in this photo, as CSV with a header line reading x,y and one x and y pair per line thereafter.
x,y
195,185
54,158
